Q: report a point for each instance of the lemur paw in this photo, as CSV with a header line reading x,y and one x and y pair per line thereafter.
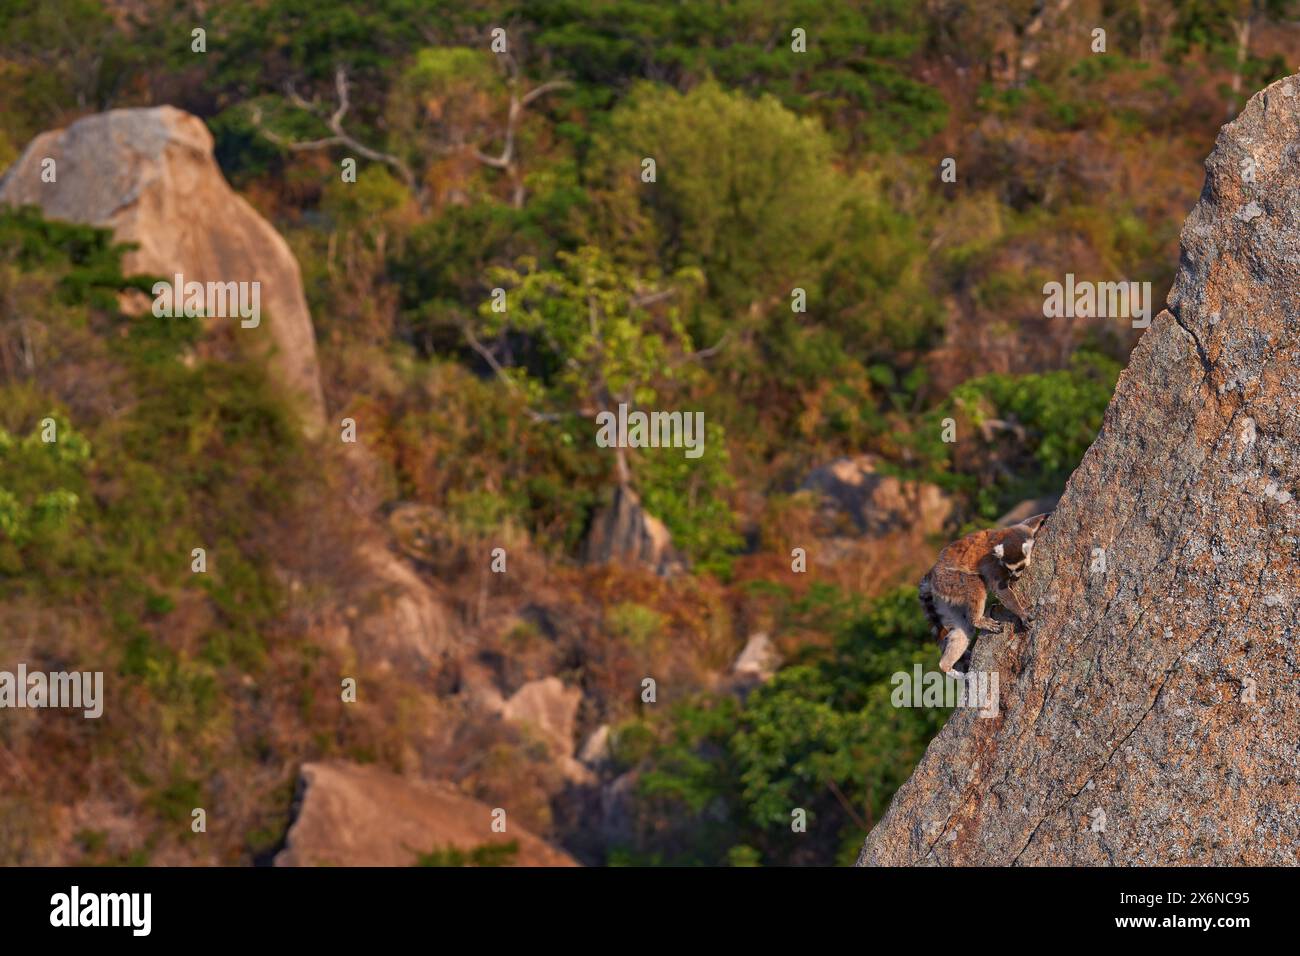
x,y
988,624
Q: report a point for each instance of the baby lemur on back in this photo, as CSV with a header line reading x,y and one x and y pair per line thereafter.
x,y
954,591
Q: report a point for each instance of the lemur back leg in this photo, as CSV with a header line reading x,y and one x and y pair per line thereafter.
x,y
955,622
953,649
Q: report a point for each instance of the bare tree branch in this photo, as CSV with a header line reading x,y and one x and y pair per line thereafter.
x,y
547,87
848,807
651,298
505,161
486,354
341,137
707,353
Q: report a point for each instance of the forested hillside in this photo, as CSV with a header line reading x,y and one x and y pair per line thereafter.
x,y
825,225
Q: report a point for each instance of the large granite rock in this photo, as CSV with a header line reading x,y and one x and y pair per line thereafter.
x,y
854,499
353,815
149,175
1150,715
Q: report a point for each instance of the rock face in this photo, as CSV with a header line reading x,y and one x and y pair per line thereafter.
x,y
595,751
406,626
352,815
149,175
625,533
1150,715
550,709
758,661
857,500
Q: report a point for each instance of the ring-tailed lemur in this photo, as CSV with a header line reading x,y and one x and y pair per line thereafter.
x,y
954,591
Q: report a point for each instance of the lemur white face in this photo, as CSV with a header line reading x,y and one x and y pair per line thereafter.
x,y
1018,559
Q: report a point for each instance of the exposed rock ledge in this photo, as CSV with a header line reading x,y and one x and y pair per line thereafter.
x,y
1150,715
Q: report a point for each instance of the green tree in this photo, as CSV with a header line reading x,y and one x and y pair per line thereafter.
x,y
745,189
853,71
1026,433
823,736
601,335
607,336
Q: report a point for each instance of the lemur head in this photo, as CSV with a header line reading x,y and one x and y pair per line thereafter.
x,y
1016,545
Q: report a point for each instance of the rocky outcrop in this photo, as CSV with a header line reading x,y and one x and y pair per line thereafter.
x,y
758,661
150,176
595,751
353,815
625,533
854,499
549,709
1149,716
403,624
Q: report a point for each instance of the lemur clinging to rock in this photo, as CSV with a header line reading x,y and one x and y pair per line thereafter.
x,y
954,591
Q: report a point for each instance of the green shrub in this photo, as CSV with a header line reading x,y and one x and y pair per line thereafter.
x,y
822,736
485,854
